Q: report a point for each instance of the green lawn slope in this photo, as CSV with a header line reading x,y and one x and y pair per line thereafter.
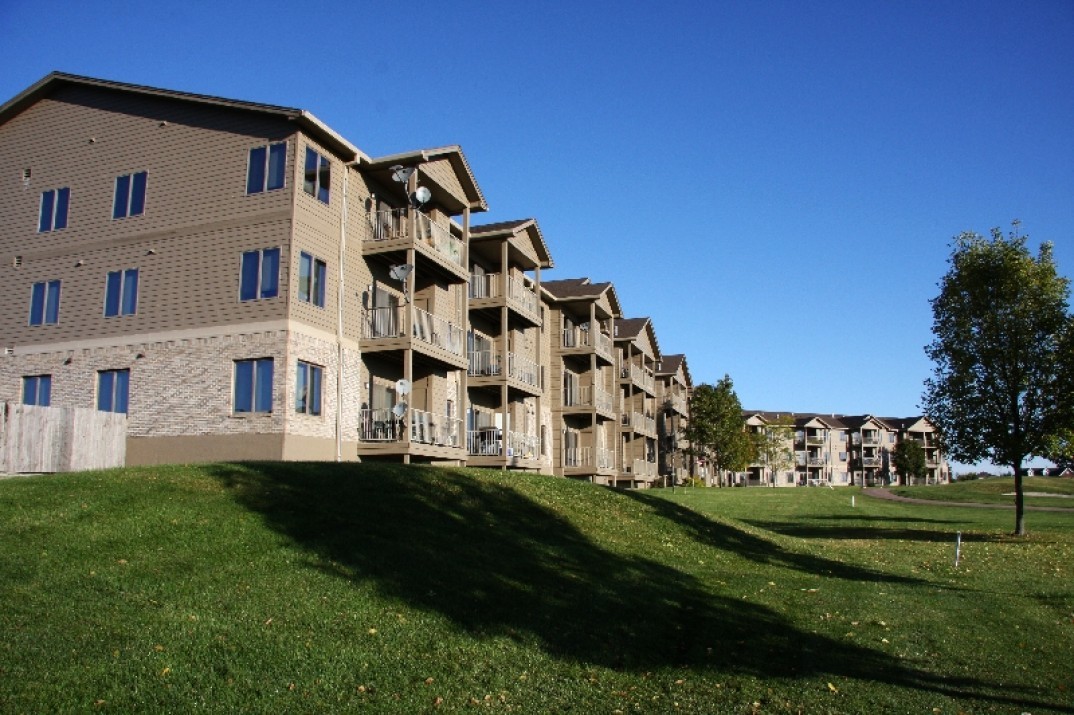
x,y
387,588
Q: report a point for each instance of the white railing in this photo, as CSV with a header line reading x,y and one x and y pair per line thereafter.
x,y
436,331
429,428
396,224
386,322
578,337
639,376
643,469
520,444
485,363
484,286
523,369
605,458
523,294
639,422
484,441
870,461
817,461
588,396
678,404
578,457
379,426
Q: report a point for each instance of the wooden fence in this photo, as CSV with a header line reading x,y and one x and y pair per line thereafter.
x,y
60,439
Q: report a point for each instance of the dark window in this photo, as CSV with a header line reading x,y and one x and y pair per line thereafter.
x,y
311,277
266,169
130,195
53,215
37,390
318,175
260,274
112,390
253,385
45,303
121,293
308,388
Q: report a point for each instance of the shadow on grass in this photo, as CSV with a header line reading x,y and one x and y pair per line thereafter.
x,y
495,562
805,530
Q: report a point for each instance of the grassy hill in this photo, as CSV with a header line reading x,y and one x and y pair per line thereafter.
x,y
321,588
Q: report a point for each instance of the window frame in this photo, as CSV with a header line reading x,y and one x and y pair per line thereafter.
x,y
261,377
135,185
118,392
312,276
309,389
45,303
259,289
125,299
41,387
58,205
273,152
317,179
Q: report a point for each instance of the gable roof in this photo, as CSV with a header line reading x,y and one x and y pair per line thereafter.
x,y
54,81
475,200
571,289
517,227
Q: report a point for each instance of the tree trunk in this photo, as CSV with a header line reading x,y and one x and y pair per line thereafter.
x,y
1019,502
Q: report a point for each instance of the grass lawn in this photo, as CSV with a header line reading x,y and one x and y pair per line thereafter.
x,y
336,588
1039,491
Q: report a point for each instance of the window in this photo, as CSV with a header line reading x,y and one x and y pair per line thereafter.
x,y
311,275
53,215
112,390
253,385
260,274
265,171
37,390
318,175
130,195
121,293
308,388
45,303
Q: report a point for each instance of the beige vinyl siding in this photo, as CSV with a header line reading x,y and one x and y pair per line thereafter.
x,y
443,174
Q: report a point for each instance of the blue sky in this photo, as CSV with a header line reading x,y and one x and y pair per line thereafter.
x,y
774,183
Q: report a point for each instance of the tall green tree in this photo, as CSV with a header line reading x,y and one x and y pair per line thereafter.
x,y
909,460
999,325
716,430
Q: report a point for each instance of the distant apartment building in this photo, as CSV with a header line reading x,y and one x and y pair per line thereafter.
x,y
839,450
673,410
244,283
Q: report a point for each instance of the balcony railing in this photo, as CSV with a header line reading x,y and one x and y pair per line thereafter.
x,y
643,469
817,461
588,396
639,376
605,458
418,227
578,338
429,428
678,404
379,426
488,442
519,367
390,322
870,461
814,439
599,457
639,422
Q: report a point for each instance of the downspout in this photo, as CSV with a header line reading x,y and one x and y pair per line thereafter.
x,y
339,317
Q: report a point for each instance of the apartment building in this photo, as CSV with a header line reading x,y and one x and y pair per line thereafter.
x,y
673,384
637,354
244,283
509,414
231,276
583,375
839,450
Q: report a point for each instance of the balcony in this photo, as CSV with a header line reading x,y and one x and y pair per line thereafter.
x,y
588,396
597,458
641,469
391,323
381,425
488,442
521,369
520,296
639,423
639,377
398,229
678,404
815,439
817,461
573,338
871,461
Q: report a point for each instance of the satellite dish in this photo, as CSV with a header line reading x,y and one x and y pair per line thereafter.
x,y
399,410
401,173
400,272
402,386
421,196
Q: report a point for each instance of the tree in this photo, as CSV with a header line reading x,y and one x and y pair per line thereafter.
x,y
773,446
909,459
716,429
1000,324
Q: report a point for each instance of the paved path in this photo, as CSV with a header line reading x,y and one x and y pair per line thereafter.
x,y
885,494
